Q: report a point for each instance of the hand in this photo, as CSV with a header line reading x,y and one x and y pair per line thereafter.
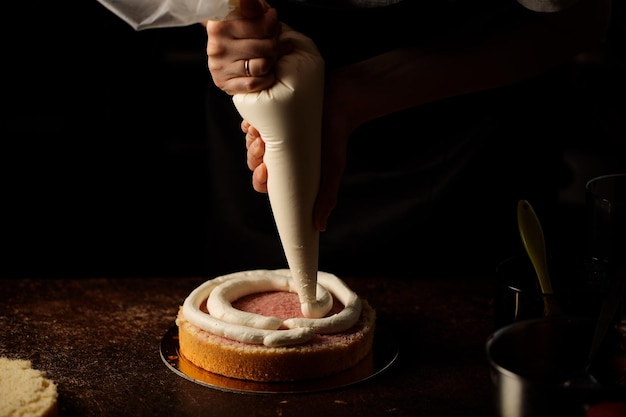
x,y
256,149
252,39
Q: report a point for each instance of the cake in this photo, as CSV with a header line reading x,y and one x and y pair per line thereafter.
x,y
26,391
249,325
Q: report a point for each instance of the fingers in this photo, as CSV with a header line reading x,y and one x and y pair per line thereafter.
x,y
255,147
265,25
333,165
256,151
259,178
257,67
246,67
245,126
251,8
242,52
251,135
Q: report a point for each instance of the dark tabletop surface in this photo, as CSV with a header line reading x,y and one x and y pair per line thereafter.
x,y
99,339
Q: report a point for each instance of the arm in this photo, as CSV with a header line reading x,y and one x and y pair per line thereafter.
x,y
407,78
410,77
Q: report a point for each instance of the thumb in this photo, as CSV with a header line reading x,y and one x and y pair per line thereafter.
x,y
251,8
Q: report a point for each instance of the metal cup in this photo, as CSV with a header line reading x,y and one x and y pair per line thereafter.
x,y
533,364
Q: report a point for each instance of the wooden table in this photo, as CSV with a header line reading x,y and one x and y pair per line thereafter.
x,y
99,340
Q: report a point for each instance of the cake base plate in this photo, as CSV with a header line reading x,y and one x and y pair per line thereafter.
x,y
382,356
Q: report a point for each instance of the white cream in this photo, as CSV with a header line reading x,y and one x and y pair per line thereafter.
x,y
289,116
219,302
257,329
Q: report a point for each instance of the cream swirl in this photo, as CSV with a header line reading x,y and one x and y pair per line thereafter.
x,y
224,320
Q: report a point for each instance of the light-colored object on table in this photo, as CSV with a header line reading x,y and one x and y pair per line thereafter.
x,y
26,392
532,236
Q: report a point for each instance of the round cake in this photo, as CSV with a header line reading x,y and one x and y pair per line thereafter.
x,y
250,326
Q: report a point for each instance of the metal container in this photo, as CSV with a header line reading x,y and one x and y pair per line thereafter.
x,y
537,367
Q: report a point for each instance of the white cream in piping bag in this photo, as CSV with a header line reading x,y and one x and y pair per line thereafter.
x,y
289,117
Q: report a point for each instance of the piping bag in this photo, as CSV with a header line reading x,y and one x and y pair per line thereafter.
x,y
288,116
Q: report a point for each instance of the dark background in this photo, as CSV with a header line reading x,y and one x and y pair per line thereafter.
x,y
103,142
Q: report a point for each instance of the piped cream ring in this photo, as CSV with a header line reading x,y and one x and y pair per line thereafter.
x,y
219,301
233,331
299,331
337,322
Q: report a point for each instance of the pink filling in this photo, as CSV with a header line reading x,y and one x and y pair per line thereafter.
x,y
281,304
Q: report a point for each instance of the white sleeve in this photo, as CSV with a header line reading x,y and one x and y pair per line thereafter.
x,y
546,5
